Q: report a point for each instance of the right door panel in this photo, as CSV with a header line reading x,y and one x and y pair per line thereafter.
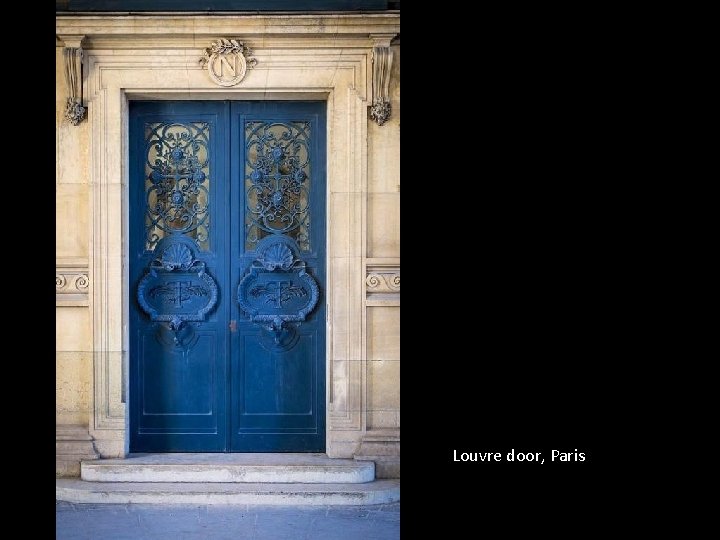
x,y
277,194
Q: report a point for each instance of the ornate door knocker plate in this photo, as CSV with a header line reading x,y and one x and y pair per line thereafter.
x,y
176,287
277,293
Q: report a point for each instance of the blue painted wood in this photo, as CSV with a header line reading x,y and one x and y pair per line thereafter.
x,y
178,396
198,382
220,5
278,390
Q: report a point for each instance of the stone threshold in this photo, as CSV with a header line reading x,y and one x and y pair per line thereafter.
x,y
276,468
79,491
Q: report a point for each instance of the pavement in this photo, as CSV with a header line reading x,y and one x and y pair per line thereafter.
x,y
190,522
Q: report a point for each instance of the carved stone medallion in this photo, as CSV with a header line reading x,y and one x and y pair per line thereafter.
x,y
227,61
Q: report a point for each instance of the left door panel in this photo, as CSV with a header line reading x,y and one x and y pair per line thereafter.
x,y
178,279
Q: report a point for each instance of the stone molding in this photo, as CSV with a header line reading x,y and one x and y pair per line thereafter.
x,y
72,282
382,283
328,26
383,280
73,444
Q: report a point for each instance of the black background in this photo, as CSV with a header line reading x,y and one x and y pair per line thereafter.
x,y
512,316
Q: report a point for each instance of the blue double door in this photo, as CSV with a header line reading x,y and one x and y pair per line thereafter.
x,y
227,276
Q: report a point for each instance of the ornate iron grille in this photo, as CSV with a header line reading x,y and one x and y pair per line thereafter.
x,y
177,182
277,181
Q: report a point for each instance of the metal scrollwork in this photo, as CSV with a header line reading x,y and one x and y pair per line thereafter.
x,y
277,181
277,293
177,170
176,288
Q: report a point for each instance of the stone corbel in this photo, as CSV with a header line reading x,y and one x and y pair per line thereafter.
x,y
72,56
382,57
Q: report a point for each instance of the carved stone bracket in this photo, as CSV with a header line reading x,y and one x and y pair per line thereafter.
x,y
382,58
72,54
71,283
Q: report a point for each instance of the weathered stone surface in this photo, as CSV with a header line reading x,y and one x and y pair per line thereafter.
x,y
73,443
247,468
79,491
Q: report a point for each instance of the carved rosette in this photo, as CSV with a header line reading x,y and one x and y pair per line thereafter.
x,y
380,111
74,111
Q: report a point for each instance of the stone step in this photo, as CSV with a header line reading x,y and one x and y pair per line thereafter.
x,y
243,468
79,491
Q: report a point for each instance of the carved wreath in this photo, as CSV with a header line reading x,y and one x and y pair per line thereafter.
x,y
223,46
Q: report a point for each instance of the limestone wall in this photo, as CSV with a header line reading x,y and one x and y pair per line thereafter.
x,y
383,251
363,211
72,362
73,356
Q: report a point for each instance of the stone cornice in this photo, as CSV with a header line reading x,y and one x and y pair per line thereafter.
x,y
201,27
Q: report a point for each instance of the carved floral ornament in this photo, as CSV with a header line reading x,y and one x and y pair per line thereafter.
x,y
380,108
227,61
74,110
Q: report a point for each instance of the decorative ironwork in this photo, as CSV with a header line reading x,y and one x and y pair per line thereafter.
x,y
277,181
176,288
277,292
177,292
177,181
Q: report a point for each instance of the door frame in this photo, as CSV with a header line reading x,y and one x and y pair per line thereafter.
x,y
290,65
